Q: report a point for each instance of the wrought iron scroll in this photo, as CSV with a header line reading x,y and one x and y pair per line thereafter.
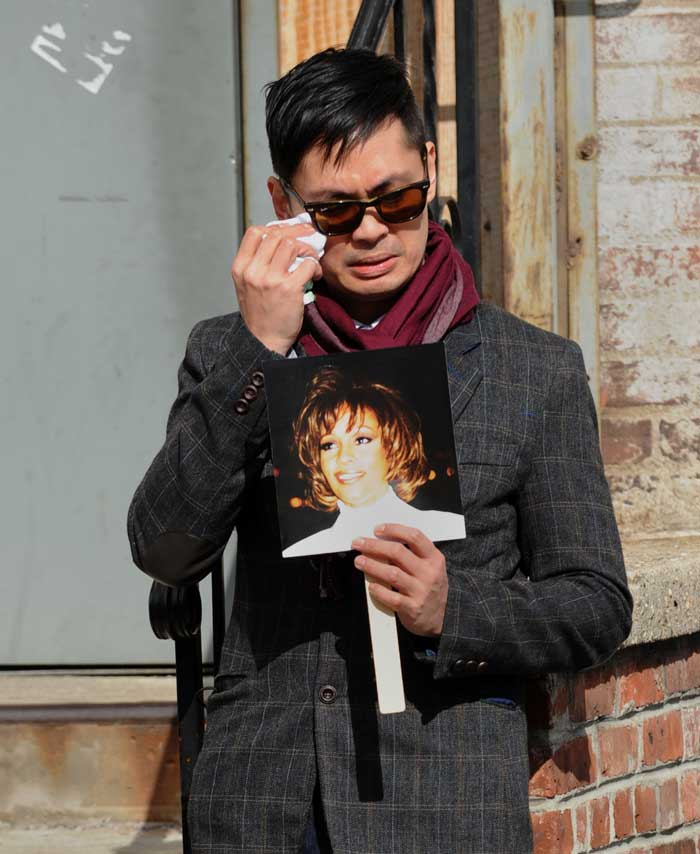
x,y
176,614
370,23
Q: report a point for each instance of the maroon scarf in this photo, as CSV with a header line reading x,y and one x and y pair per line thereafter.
x,y
440,296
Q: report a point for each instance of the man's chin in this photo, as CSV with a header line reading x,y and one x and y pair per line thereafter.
x,y
372,289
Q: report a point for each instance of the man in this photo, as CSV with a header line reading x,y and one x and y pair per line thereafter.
x,y
295,748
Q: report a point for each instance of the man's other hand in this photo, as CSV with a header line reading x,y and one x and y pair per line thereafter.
x,y
270,298
407,573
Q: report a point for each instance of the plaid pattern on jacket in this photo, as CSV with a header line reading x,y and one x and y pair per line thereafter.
x,y
539,585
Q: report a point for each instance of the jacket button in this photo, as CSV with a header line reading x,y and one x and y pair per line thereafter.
x,y
482,667
462,666
241,407
258,379
250,392
327,694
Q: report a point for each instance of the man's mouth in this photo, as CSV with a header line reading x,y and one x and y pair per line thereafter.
x,y
373,265
348,477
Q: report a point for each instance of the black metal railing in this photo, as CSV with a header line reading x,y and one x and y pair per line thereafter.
x,y
176,614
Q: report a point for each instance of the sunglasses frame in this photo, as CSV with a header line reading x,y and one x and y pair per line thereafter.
x,y
312,208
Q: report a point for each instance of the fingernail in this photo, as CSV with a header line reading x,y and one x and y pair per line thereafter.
x,y
360,561
379,529
358,543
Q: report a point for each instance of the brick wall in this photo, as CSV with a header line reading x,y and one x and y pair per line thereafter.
x,y
648,93
615,754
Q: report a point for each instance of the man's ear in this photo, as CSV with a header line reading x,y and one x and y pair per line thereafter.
x,y
280,200
431,159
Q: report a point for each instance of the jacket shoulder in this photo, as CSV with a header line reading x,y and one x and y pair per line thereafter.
x,y
502,328
521,343
522,356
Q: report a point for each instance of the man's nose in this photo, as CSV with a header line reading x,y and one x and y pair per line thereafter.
x,y
372,227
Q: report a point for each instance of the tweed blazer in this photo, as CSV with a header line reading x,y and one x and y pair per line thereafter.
x,y
537,586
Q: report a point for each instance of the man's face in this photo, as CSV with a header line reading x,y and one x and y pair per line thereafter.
x,y
366,269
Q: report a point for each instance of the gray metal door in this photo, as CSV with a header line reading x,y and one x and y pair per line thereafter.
x,y
119,216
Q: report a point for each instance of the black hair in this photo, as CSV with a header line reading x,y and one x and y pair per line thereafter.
x,y
338,97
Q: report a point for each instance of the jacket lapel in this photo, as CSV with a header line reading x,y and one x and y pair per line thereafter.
x,y
464,360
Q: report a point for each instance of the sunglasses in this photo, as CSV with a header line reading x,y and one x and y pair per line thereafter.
x,y
345,215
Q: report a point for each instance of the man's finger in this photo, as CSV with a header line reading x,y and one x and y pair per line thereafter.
x,y
301,229
252,239
392,552
419,544
384,596
309,269
388,574
284,255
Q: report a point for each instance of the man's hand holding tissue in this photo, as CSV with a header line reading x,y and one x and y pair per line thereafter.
x,y
270,270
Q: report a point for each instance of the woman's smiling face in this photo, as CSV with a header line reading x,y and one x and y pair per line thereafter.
x,y
353,460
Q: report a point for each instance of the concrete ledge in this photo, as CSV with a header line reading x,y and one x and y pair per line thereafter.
x,y
91,838
42,696
664,577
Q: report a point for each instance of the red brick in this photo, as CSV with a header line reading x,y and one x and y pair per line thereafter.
x,y
600,822
693,669
618,750
669,807
640,687
623,814
593,694
676,668
682,846
691,730
581,826
571,766
552,832
690,796
662,737
644,809
625,441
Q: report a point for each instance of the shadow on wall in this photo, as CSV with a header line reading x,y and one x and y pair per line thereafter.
x,y
163,807
602,10
151,840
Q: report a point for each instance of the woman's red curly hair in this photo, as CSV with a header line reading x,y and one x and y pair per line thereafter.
x,y
331,393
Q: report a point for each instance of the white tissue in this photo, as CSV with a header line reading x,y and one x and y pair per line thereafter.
x,y
316,240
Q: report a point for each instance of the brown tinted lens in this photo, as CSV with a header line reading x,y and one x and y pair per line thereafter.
x,y
403,205
338,219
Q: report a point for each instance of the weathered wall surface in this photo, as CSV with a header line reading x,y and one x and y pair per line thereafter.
x,y
648,90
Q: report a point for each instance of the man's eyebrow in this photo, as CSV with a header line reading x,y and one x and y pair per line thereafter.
x,y
398,180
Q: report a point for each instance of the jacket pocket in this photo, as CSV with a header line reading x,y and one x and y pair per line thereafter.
x,y
477,450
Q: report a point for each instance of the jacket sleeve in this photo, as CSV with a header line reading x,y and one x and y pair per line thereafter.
x,y
186,506
567,606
